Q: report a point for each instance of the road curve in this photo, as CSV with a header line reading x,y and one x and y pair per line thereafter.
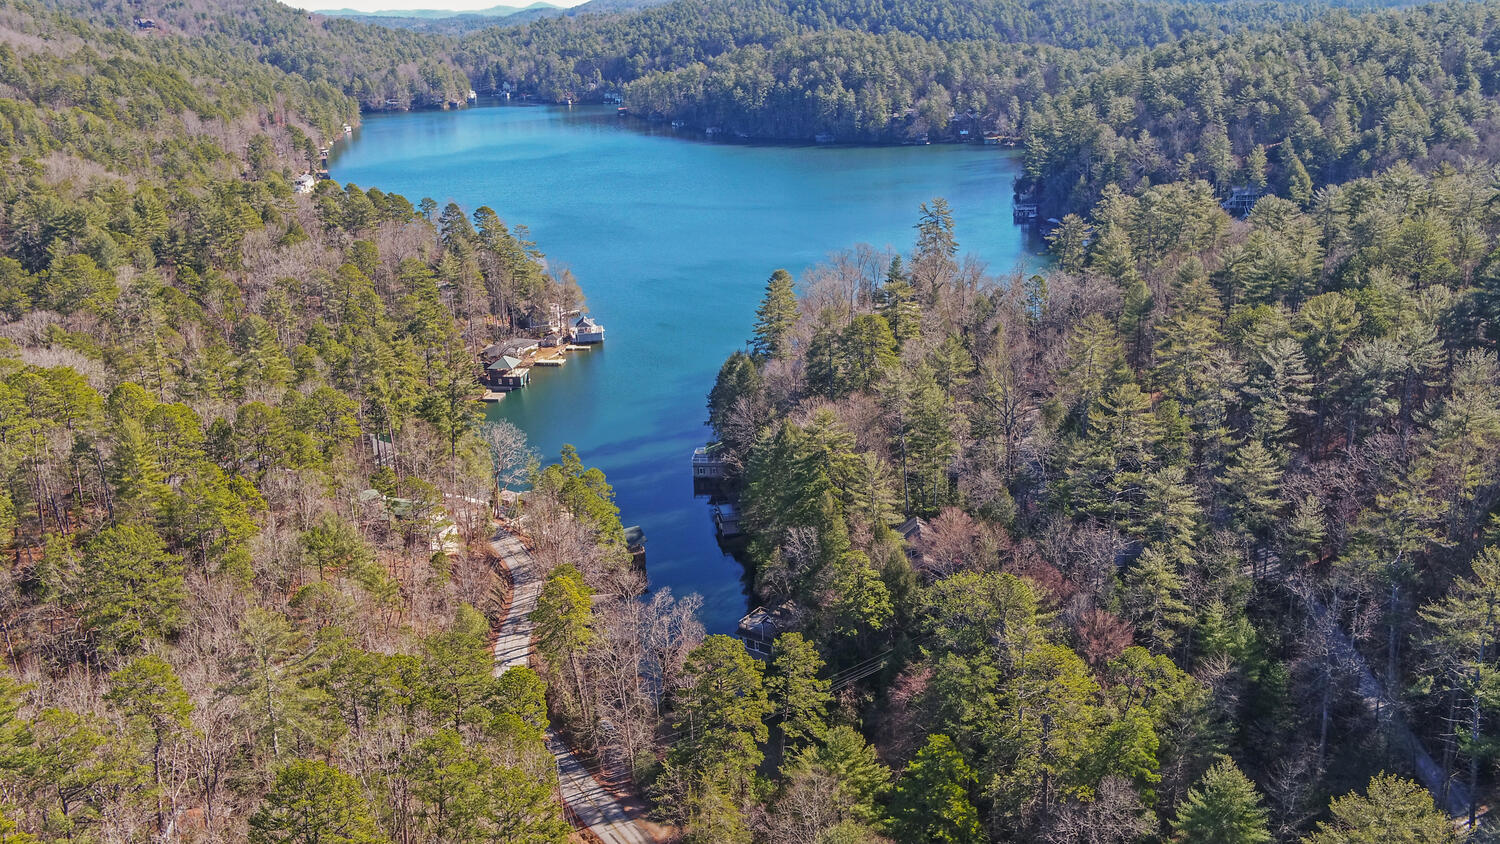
x,y
589,804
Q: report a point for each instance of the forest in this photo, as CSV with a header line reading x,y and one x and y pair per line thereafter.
x,y
1116,92
1188,537
244,482
1206,549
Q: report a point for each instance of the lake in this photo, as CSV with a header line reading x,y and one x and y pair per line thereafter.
x,y
672,239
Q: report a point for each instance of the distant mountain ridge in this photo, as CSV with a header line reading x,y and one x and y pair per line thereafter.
x,y
438,14
453,22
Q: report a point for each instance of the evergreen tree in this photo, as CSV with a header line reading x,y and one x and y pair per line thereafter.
x,y
775,318
898,304
799,697
860,779
868,351
147,692
722,706
1392,811
1223,807
564,623
314,803
130,589
1153,597
931,802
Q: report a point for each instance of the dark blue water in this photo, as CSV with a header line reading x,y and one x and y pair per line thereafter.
x,y
672,240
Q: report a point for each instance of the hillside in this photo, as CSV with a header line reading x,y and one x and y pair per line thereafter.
x,y
239,456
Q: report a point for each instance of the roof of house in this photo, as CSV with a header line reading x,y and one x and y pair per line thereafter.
x,y
586,321
505,363
912,529
766,623
635,537
516,345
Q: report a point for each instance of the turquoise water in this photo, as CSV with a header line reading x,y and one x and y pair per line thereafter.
x,y
672,240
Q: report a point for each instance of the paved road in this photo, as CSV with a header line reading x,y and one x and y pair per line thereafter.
x,y
588,802
513,646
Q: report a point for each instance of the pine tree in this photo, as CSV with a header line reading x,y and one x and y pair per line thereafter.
x,y
1050,718
1153,597
1252,482
1255,167
314,803
931,802
899,305
147,692
775,318
799,696
280,704
1466,632
1392,811
1299,187
1277,390
861,603
868,350
933,263
1094,362
722,707
1223,807
130,589
1069,242
564,623
861,779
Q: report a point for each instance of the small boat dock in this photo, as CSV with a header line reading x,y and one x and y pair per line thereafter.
x,y
506,365
727,521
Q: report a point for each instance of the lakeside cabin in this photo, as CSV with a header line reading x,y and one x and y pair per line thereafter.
x,y
518,347
304,183
585,330
1242,201
760,627
547,320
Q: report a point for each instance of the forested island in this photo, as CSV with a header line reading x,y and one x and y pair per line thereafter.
x,y
1190,537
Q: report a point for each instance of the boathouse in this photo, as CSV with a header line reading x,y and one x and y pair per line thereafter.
x,y
707,464
727,521
585,330
507,373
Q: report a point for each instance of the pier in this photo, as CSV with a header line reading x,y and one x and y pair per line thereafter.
x,y
506,365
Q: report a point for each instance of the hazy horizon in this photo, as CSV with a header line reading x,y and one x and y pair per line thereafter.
x,y
403,5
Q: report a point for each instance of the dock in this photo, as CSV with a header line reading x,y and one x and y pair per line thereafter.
x,y
727,521
506,365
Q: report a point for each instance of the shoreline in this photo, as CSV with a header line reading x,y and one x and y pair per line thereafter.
x,y
695,132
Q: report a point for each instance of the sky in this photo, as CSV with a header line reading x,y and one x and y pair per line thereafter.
x,y
386,5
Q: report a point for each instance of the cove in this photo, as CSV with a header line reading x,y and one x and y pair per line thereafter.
x,y
672,239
